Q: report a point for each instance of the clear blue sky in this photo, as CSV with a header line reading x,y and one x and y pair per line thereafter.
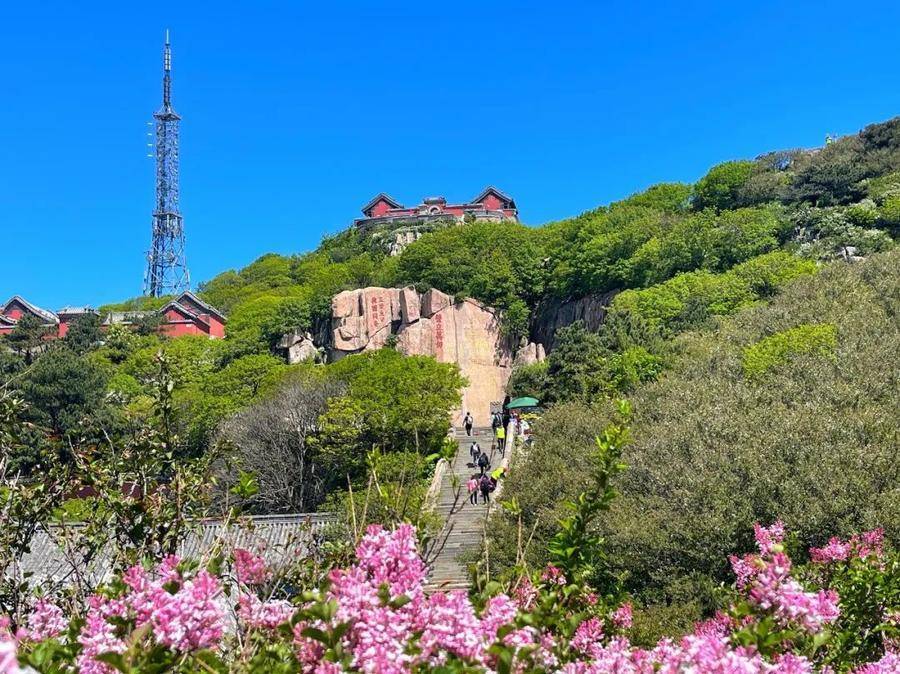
x,y
296,113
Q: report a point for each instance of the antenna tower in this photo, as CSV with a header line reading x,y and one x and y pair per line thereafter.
x,y
166,267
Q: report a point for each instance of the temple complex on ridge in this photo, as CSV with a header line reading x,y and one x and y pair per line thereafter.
x,y
491,204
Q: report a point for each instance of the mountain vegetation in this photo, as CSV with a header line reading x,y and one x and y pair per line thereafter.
x,y
678,256
745,372
788,409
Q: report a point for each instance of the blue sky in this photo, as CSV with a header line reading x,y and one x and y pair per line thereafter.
x,y
296,113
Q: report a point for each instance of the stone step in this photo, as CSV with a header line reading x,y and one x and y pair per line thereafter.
x,y
463,522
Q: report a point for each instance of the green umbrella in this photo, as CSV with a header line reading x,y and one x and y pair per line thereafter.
x,y
519,403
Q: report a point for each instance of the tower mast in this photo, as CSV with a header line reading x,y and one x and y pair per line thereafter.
x,y
166,267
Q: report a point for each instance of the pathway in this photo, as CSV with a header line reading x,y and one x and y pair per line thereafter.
x,y
463,522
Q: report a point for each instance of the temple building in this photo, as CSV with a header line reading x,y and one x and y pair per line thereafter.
x,y
187,314
17,307
491,204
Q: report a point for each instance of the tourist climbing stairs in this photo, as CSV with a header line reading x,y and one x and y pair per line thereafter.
x,y
459,542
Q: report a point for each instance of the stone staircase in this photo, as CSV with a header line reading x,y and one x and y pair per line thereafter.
x,y
463,523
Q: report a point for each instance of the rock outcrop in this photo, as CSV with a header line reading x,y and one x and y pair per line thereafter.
x,y
431,324
591,310
529,354
299,346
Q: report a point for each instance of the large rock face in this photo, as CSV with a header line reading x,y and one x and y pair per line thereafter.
x,y
466,333
591,310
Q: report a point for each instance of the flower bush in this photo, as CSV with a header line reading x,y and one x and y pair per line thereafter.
x,y
375,617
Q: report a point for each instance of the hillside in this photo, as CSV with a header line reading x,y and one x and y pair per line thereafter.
x,y
645,269
721,371
787,410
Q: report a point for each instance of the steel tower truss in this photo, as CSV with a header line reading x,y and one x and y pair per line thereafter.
x,y
167,270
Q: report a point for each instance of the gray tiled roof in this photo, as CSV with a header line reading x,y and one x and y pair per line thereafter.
x,y
48,316
200,303
69,311
278,538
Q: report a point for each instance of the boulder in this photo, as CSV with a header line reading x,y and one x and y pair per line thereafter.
x,y
345,304
416,338
529,354
349,334
298,347
377,315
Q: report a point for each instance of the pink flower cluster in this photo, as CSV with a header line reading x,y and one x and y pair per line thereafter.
x,y
553,575
694,654
384,623
767,579
870,543
263,615
889,664
9,663
46,621
190,617
250,569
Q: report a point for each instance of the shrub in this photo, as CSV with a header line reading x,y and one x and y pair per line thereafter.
x,y
667,306
720,187
777,349
528,380
813,441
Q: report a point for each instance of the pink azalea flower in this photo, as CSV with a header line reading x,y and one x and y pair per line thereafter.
x,y
553,575
452,627
835,551
588,636
98,637
192,618
889,664
9,664
499,611
768,537
525,594
719,625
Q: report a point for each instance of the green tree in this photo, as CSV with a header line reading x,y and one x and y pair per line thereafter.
x,y
497,263
665,197
220,394
84,333
576,367
528,380
721,186
406,400
190,358
63,387
256,326
28,335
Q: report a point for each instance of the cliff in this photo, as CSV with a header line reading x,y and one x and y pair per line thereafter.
x,y
464,332
551,316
